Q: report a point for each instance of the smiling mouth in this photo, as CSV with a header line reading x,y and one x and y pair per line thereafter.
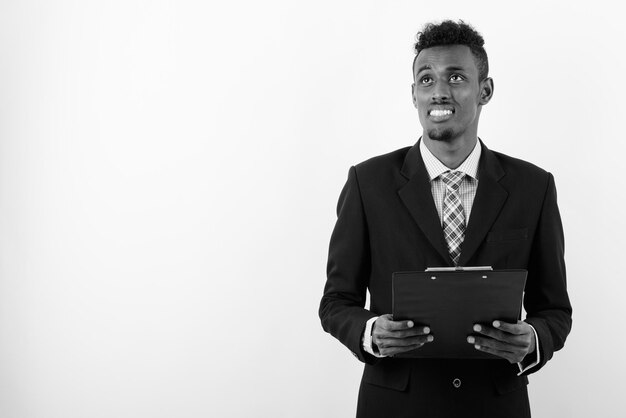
x,y
440,112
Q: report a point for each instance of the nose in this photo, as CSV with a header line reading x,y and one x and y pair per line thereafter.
x,y
441,92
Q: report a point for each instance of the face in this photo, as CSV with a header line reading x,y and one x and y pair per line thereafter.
x,y
448,94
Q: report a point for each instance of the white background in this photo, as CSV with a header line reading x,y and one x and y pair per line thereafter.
x,y
169,172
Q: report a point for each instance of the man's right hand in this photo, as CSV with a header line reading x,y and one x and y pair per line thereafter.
x,y
395,337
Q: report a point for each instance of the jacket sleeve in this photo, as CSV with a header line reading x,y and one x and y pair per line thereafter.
x,y
547,304
342,306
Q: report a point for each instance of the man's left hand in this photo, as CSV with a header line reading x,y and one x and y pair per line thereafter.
x,y
509,341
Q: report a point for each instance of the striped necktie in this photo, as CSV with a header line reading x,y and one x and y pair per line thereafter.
x,y
453,214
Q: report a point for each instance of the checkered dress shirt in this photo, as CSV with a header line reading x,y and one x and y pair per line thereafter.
x,y
467,189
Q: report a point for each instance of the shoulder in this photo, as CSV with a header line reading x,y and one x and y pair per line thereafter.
x,y
520,174
389,163
516,166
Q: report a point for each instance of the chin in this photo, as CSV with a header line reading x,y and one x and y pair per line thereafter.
x,y
441,134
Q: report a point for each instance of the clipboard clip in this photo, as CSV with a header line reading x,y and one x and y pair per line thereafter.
x,y
460,268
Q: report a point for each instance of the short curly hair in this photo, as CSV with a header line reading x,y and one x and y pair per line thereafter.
x,y
450,32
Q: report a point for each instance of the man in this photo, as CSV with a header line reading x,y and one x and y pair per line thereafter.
x,y
446,201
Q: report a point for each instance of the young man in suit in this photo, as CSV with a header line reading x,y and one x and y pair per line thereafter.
x,y
446,201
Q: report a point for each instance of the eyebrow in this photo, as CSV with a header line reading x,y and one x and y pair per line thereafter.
x,y
448,69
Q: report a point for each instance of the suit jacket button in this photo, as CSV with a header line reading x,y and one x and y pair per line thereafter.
x,y
456,383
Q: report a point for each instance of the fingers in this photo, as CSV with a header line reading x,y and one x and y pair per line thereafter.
x,y
403,342
384,327
395,337
499,334
511,357
390,352
518,329
491,343
510,341
411,332
388,324
393,346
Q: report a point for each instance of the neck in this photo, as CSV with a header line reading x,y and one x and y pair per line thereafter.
x,y
451,154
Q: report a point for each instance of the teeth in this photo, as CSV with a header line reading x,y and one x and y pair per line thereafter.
x,y
437,112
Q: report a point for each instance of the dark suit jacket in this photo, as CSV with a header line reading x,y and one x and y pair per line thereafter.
x,y
387,222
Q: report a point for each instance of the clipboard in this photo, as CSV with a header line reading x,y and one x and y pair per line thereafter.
x,y
451,300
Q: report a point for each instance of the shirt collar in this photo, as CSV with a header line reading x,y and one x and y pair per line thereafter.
x,y
436,168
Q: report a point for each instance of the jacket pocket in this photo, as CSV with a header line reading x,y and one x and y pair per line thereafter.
x,y
388,373
508,382
507,235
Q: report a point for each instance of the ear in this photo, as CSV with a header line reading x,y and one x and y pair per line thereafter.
x,y
413,95
486,91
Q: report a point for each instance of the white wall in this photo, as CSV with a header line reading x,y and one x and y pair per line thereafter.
x,y
169,172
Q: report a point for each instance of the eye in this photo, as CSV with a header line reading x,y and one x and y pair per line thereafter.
x,y
426,80
456,78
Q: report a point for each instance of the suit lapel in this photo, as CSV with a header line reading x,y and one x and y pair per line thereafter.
x,y
417,196
490,198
